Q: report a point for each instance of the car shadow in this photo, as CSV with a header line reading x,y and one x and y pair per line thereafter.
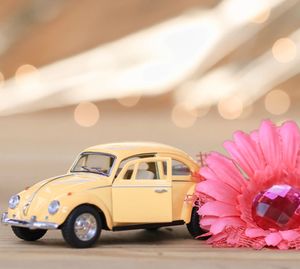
x,y
161,236
144,236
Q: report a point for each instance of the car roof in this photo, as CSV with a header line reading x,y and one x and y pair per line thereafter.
x,y
127,149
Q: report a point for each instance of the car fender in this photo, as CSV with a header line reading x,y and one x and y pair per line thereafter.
x,y
69,203
188,204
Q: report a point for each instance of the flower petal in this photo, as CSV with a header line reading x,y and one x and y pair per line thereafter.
x,y
220,224
270,143
290,235
290,137
216,208
273,239
216,238
255,138
207,220
283,245
218,190
236,155
244,152
208,174
255,232
225,170
245,207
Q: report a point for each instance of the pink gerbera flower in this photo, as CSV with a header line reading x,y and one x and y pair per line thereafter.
x,y
252,198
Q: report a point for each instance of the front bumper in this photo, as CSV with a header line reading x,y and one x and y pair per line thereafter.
x,y
32,224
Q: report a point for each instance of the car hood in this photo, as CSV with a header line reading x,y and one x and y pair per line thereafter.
x,y
37,198
53,188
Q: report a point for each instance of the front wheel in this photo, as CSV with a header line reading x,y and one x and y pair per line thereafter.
x,y
194,225
82,228
27,234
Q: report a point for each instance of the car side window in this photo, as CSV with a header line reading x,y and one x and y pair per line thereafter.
x,y
137,157
178,168
129,172
147,170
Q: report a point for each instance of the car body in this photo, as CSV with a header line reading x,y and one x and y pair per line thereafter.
x,y
129,185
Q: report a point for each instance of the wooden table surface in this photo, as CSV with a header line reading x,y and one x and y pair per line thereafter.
x,y
165,248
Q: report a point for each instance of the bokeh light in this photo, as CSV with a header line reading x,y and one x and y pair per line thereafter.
x,y
27,74
86,114
277,102
183,117
25,70
231,108
1,80
129,101
256,11
200,112
247,111
284,50
263,13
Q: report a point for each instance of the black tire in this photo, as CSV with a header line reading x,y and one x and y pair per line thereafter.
x,y
194,225
68,228
152,230
27,234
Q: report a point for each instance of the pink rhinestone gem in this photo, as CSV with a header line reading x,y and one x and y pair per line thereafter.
x,y
277,207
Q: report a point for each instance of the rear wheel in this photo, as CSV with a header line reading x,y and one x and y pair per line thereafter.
x,y
194,226
27,234
83,227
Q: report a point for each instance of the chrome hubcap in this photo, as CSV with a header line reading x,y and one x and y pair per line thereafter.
x,y
85,227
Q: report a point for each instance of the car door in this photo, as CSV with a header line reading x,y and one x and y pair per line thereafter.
x,y
182,183
142,192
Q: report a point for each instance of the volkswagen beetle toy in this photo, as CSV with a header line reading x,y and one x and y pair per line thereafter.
x,y
120,186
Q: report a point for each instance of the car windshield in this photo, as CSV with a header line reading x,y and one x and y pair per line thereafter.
x,y
99,163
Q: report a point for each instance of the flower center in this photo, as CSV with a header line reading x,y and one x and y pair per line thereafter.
x,y
277,207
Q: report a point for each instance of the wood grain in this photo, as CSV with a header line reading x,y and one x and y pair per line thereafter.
x,y
166,248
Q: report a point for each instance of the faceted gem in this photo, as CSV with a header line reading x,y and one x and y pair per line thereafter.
x,y
277,207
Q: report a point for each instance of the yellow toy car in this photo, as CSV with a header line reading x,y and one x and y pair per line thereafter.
x,y
115,187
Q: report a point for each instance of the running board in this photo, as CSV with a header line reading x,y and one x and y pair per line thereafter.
x,y
147,226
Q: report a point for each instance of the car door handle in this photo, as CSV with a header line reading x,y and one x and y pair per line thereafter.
x,y
161,190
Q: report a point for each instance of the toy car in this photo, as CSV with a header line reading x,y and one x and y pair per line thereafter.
x,y
114,187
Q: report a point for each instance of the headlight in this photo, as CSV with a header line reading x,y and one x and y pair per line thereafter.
x,y
53,207
14,201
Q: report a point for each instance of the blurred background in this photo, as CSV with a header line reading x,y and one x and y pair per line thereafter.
x,y
186,73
